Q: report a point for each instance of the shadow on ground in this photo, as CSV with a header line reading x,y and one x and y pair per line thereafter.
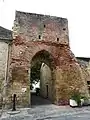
x,y
38,100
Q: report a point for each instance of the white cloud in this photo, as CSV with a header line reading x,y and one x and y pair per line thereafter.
x,y
77,12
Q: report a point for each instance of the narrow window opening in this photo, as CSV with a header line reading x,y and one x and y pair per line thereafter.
x,y
47,90
44,26
88,82
57,39
64,29
39,36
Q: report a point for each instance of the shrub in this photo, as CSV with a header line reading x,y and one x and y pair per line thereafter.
x,y
77,97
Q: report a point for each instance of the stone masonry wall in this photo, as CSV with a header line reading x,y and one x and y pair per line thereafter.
x,y
85,66
45,79
33,33
3,67
36,27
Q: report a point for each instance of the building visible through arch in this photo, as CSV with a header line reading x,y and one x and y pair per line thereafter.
x,y
42,68
41,39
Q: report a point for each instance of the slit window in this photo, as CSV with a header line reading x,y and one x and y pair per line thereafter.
x,y
44,26
88,82
39,36
57,39
64,29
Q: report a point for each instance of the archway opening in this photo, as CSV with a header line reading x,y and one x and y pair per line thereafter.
x,y
41,78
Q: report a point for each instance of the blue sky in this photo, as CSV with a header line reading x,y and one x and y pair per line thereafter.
x,y
76,11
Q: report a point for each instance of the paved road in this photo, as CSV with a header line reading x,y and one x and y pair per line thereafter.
x,y
48,112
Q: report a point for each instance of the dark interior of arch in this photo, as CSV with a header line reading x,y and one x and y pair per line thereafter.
x,y
40,57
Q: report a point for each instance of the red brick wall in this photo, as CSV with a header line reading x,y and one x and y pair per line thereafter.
x,y
54,39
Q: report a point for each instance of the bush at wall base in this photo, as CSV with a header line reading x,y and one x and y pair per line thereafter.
x,y
75,100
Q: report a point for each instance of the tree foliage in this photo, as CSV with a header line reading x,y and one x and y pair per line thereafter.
x,y
35,73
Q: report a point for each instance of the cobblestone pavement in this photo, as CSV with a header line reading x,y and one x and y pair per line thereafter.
x,y
49,112
44,110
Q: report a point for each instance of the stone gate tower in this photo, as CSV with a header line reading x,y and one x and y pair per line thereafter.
x,y
42,39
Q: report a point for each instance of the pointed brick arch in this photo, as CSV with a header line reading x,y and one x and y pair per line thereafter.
x,y
45,57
